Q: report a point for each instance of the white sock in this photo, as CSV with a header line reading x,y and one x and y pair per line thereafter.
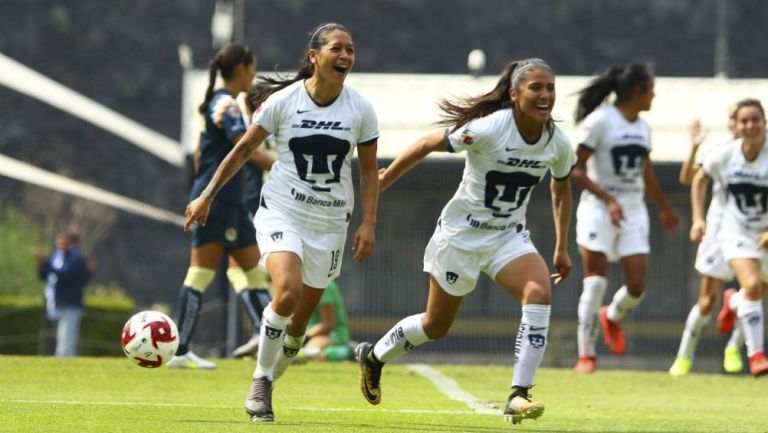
x,y
693,327
283,358
752,322
590,301
405,336
733,302
737,336
530,343
622,304
272,328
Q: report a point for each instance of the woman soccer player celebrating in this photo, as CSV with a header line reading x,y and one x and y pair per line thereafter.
x,y
301,225
742,168
710,262
511,143
614,170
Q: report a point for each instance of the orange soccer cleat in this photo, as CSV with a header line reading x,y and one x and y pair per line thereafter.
x,y
612,333
726,318
585,365
758,364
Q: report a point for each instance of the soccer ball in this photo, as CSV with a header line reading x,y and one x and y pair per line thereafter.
x,y
150,338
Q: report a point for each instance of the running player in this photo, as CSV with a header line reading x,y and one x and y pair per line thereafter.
x,y
301,225
614,169
710,262
511,143
742,168
230,232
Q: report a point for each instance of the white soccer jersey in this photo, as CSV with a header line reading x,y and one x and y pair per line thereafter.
x,y
311,179
716,205
500,173
746,184
620,148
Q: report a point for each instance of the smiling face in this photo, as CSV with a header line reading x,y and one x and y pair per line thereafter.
x,y
535,95
334,59
750,123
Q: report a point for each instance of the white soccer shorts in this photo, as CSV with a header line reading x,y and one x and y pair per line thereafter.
x,y
320,252
457,270
596,232
742,244
710,260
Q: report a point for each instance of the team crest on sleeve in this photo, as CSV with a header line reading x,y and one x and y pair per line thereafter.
x,y
276,236
234,111
467,137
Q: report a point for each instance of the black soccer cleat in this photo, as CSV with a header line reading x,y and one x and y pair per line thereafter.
x,y
370,373
519,406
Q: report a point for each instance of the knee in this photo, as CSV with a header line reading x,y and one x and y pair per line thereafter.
x,y
752,285
286,299
707,303
538,294
435,329
636,287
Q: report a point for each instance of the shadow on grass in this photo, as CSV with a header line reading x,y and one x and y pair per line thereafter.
x,y
404,426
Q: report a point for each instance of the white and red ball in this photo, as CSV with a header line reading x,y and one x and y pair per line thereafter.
x,y
150,339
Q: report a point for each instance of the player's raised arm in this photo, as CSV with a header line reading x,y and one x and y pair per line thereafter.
x,y
411,156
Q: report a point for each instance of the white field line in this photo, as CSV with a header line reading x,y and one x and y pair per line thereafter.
x,y
453,390
31,83
203,406
29,173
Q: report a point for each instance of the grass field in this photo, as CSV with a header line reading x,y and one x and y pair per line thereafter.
x,y
40,394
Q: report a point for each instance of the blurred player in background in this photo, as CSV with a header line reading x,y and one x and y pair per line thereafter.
x,y
306,204
254,300
230,230
327,330
614,169
742,168
511,143
710,262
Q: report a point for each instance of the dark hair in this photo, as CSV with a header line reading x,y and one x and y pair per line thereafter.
x,y
251,98
749,102
464,110
621,80
318,37
226,61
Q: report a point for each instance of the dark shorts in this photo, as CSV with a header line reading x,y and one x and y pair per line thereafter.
x,y
228,224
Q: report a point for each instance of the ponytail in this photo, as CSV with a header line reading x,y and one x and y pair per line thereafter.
x,y
621,80
212,69
463,110
226,60
595,93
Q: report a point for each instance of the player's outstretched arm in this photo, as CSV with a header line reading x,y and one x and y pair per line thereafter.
x,y
561,212
197,209
433,142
